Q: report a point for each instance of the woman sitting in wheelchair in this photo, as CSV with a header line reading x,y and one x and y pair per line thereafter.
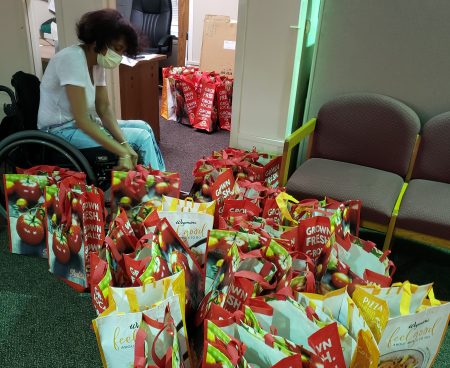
x,y
74,102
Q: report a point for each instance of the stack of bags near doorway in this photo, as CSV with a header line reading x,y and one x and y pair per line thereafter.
x,y
201,100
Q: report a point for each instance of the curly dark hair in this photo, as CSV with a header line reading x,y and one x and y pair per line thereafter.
x,y
104,26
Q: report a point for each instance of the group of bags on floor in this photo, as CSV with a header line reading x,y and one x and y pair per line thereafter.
x,y
240,274
201,99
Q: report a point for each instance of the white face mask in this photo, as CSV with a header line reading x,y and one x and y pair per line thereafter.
x,y
110,60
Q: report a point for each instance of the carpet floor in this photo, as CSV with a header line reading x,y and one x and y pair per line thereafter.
x,y
44,323
182,146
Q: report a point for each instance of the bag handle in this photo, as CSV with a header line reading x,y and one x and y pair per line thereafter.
x,y
260,306
282,200
113,248
140,361
253,276
167,359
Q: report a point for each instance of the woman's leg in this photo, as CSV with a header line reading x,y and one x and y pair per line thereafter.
x,y
75,136
140,136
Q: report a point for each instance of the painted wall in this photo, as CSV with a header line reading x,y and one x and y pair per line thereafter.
x,y
397,48
197,11
266,56
15,44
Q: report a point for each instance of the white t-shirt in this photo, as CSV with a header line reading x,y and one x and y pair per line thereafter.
x,y
68,66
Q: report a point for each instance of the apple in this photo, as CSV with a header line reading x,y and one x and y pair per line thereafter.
x,y
116,184
150,181
10,187
125,202
22,204
340,280
206,190
162,188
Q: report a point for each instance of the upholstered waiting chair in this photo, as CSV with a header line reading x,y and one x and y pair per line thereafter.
x,y
360,148
424,212
154,19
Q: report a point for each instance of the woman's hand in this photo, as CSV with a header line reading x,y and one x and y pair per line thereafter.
x,y
125,163
133,154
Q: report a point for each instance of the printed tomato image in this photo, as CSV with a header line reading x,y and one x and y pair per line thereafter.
x,y
60,247
77,206
28,189
74,239
30,229
40,213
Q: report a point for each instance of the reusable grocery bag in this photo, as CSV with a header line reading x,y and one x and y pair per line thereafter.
x,y
75,223
186,205
24,193
162,334
24,199
354,261
192,228
408,322
116,328
168,96
140,191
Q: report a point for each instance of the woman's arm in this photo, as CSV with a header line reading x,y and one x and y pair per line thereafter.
x,y
77,100
109,121
105,113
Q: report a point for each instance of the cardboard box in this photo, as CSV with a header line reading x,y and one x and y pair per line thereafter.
x,y
218,45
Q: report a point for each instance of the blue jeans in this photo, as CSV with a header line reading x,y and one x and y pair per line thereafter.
x,y
137,132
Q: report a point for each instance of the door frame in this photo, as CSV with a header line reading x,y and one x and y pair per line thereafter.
x,y
183,30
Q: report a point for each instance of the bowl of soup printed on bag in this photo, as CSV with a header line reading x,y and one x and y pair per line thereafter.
x,y
408,358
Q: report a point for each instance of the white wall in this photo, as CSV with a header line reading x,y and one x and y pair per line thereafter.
x,y
197,11
266,55
396,48
15,43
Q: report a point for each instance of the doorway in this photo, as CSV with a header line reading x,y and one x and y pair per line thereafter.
x,y
43,32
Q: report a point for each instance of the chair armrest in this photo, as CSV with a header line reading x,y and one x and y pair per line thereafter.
x,y
292,141
399,200
166,41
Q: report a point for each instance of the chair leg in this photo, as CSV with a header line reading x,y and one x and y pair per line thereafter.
x,y
389,233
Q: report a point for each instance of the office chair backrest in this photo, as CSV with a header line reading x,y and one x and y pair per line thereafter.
x,y
153,18
432,161
27,89
367,129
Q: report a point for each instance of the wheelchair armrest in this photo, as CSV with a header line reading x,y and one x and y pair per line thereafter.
x,y
9,109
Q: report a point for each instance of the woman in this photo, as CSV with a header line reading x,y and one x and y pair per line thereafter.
x,y
74,102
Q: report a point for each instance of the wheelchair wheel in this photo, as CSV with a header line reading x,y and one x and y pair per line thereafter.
x,y
32,147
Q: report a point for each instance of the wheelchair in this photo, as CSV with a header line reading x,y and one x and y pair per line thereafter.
x,y
23,145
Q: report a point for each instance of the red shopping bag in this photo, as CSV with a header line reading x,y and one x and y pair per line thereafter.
x,y
75,223
223,106
140,191
205,116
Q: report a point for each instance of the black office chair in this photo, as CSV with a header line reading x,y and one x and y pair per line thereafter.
x,y
153,18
